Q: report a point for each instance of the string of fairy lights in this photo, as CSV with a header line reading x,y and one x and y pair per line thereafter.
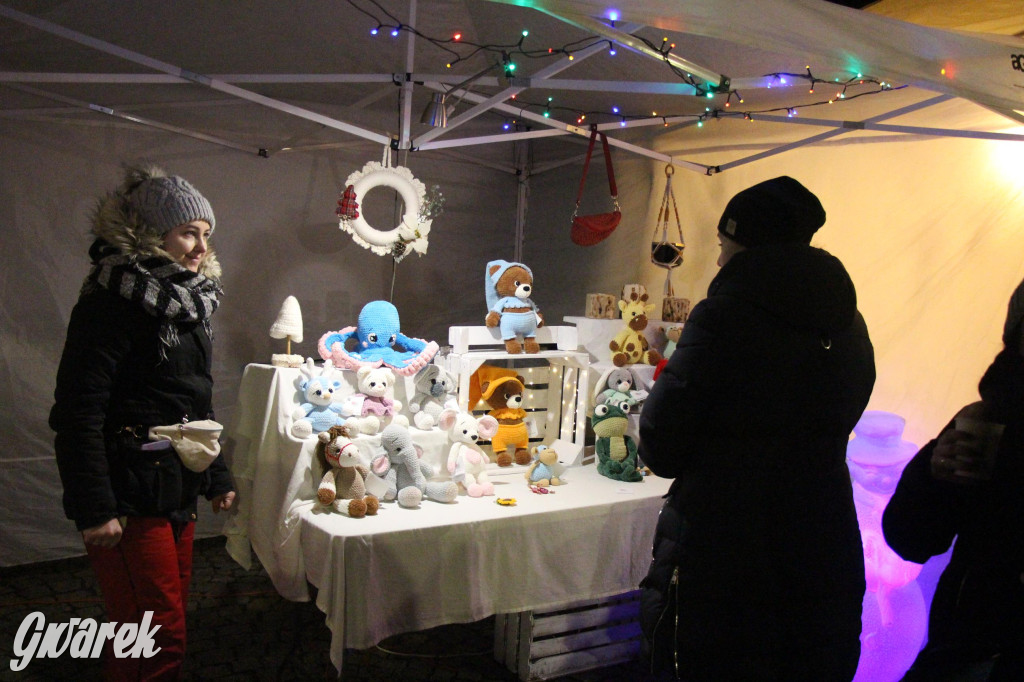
x,y
458,48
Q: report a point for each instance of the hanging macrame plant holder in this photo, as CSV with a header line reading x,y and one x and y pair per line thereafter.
x,y
588,230
664,253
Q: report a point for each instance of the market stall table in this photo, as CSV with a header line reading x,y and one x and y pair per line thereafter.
x,y
412,569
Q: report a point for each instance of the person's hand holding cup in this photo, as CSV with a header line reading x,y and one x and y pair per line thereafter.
x,y
966,454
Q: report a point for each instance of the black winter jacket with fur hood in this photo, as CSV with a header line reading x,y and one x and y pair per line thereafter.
x,y
114,373
751,417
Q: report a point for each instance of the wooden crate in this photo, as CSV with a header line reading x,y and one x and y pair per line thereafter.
x,y
545,644
557,378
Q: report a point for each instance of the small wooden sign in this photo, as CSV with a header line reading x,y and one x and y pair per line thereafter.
x,y
629,289
602,307
674,309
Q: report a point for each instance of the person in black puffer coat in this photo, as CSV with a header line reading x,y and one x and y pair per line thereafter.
x,y
758,570
947,491
137,355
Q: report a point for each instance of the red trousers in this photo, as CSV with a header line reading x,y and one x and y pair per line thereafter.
x,y
148,570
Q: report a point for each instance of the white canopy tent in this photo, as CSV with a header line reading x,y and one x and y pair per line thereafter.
x,y
268,111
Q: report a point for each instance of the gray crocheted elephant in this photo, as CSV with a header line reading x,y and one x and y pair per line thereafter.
x,y
404,473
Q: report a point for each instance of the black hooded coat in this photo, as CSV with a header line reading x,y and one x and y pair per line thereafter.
x,y
751,417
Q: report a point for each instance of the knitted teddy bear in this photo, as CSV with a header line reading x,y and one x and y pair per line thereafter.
x,y
616,452
374,407
630,346
435,389
508,287
467,462
318,412
345,475
505,397
403,472
541,472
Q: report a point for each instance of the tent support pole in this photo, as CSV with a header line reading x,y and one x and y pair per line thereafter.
x,y
488,103
832,133
622,36
907,130
173,70
134,118
524,169
405,136
564,129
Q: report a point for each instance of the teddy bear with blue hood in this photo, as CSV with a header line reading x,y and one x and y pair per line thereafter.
x,y
508,287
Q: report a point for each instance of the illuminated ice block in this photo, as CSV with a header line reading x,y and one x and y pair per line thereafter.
x,y
894,619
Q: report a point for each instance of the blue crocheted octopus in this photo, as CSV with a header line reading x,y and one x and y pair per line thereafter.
x,y
377,340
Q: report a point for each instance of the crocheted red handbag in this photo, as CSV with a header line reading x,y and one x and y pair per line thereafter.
x,y
588,230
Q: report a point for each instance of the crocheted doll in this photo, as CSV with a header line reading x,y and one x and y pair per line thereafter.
x,y
405,475
630,346
377,341
374,407
435,391
508,287
344,474
616,452
505,396
318,411
541,472
467,463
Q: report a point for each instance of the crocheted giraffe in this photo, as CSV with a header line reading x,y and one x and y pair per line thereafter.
x,y
630,346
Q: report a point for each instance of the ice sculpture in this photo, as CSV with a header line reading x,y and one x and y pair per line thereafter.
x,y
894,619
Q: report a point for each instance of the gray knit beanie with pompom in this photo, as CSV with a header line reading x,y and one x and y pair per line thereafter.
x,y
165,201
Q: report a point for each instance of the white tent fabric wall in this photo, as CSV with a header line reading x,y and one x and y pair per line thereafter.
x,y
930,229
277,236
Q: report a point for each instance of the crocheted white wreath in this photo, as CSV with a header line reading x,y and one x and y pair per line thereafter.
x,y
411,233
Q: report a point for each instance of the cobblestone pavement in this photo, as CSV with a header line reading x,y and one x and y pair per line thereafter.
x,y
240,629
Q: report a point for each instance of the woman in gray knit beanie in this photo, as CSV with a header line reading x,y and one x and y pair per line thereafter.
x,y
138,354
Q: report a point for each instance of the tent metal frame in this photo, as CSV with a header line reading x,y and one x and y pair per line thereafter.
x,y
500,101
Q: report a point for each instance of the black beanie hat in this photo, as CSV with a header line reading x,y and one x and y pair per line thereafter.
x,y
776,211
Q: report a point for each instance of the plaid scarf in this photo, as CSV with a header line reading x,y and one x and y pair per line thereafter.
x,y
165,289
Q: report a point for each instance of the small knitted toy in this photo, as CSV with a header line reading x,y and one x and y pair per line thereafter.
x,y
616,386
616,452
374,407
318,412
508,287
505,396
344,475
630,346
406,476
467,463
435,389
377,341
541,472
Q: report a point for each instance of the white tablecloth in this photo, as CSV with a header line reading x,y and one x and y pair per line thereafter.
x,y
411,569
